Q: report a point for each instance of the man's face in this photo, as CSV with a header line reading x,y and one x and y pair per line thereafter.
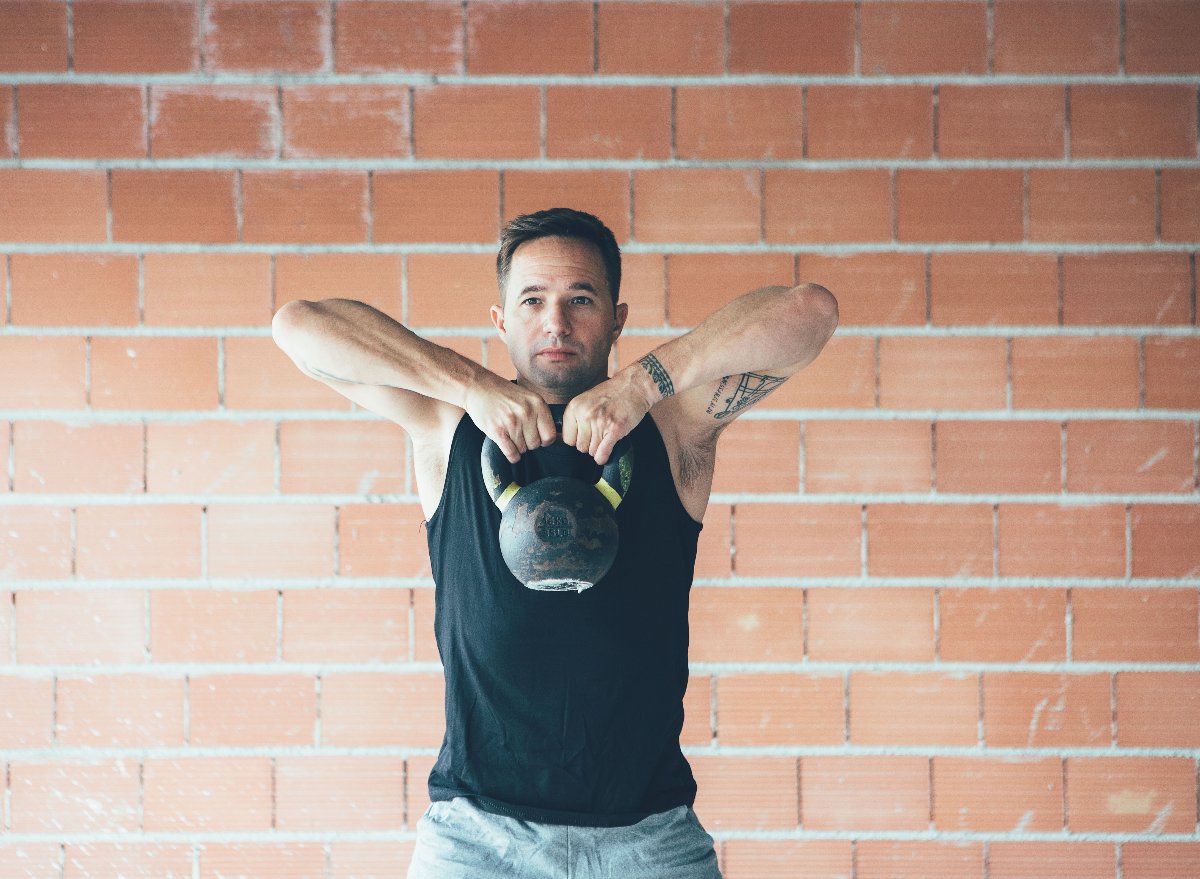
x,y
558,318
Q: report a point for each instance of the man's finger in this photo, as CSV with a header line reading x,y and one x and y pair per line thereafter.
x,y
545,426
605,448
569,427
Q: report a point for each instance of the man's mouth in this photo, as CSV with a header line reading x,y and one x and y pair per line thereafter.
x,y
557,354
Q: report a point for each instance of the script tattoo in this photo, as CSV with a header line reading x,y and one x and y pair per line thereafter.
x,y
651,365
751,388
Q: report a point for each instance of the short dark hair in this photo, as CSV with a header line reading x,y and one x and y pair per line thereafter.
x,y
561,223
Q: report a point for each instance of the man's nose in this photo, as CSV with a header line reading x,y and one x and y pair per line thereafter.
x,y
556,322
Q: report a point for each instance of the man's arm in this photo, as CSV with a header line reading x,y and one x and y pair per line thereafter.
x,y
386,368
705,378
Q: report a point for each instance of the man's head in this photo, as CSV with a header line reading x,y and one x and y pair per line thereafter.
x,y
559,223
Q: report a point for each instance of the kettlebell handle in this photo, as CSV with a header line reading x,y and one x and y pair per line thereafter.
x,y
497,474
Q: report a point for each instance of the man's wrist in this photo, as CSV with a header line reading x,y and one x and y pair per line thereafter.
x,y
657,376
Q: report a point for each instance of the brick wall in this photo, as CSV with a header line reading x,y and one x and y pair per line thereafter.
x,y
946,615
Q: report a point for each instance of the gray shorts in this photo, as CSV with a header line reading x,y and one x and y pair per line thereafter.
x,y
456,839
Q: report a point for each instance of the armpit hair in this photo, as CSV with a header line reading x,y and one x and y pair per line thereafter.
x,y
696,460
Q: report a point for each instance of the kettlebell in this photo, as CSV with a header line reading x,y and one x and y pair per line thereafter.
x,y
558,533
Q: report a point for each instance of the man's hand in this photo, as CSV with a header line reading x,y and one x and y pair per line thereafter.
x,y
516,419
597,419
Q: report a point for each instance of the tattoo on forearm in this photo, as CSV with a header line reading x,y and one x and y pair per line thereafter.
x,y
659,374
751,388
320,373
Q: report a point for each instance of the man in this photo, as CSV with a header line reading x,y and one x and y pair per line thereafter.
x,y
563,710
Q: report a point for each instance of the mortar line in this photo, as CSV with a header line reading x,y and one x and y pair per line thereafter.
x,y
1067,121
412,122
991,37
864,548
933,456
278,128
1121,48
936,111
1008,377
332,44
201,15
804,624
674,98
1058,280
1066,818
929,783
542,120
1141,372
7,795
146,119
713,720
70,36
595,36
1196,458
466,41
733,540
987,860
1070,626
804,122
857,43
141,794
1158,204
727,37
237,203
16,125
1192,272
799,796
145,456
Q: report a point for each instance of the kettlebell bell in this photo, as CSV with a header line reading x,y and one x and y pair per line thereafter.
x,y
558,533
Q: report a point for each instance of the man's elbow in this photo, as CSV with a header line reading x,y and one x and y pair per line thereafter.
x,y
291,321
819,307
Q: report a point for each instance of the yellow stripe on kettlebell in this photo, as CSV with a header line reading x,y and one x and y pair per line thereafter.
x,y
507,495
609,492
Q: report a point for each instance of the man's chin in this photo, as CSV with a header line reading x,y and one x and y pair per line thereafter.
x,y
568,380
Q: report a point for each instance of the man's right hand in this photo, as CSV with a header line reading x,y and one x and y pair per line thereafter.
x,y
516,419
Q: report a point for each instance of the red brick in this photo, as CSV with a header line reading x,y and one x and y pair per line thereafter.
x,y
260,376
1134,625
1030,710
417,770
740,122
1158,709
1002,625
477,122
1009,457
451,289
219,121
1133,120
869,121
1162,36
112,36
873,289
604,194
746,793
321,121
384,860
1045,540
339,793
798,540
437,206
382,541
1001,122
70,121
74,797
923,37
921,540
797,37
207,794
697,712
207,289
211,456
304,207
758,456
864,793
373,278
869,456
675,204
74,289
1180,204
780,709
265,36
160,540
1172,373
39,204
529,37
345,625
880,859
245,710
643,288
803,205
1131,794
169,205
875,624
959,205
1159,860
376,37
700,283
265,860
1166,540
270,540
714,554
371,709
608,122
661,38
80,627
896,708
154,373
119,711
990,289
843,377
82,861
1057,36
1063,372
746,624
997,795
785,858
55,457
629,349
35,542
28,712
1125,289
33,36
1052,860
945,373
331,457
212,626
1130,456
1091,205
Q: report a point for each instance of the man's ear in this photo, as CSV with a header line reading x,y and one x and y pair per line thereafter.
x,y
498,319
621,314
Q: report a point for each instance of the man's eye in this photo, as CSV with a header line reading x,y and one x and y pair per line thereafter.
x,y
532,300
582,300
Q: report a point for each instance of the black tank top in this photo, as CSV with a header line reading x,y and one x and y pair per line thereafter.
x,y
564,707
